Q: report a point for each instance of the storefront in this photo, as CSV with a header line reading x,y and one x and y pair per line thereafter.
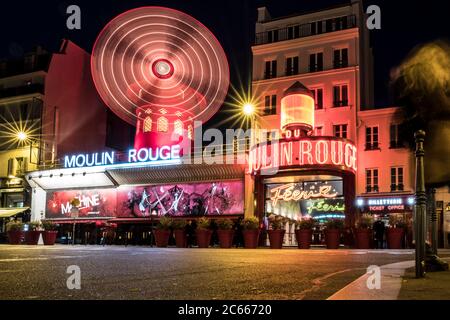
x,y
382,207
124,200
310,177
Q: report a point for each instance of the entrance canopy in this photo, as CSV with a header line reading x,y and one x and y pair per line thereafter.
x,y
11,212
131,174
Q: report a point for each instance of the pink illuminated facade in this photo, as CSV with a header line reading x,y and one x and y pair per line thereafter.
x,y
328,53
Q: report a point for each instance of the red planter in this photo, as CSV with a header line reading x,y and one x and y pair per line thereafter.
x,y
162,238
32,237
363,238
250,238
203,238
304,238
180,238
276,238
15,237
395,238
49,237
332,238
225,238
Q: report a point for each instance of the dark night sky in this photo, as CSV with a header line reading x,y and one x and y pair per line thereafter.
x,y
405,24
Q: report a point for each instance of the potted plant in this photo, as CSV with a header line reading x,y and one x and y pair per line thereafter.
x,y
14,230
33,233
162,232
250,231
333,233
225,232
179,231
49,234
304,232
203,232
364,231
276,231
395,232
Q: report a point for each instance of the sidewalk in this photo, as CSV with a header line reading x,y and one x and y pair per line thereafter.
x,y
398,283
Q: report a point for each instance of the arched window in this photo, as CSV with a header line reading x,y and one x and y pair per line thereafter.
x,y
190,132
178,127
147,124
163,124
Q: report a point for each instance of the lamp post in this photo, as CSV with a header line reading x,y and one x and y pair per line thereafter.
x,y
420,208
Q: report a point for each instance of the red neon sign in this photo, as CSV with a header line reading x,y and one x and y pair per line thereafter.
x,y
328,152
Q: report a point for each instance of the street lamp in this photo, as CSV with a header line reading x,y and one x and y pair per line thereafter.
x,y
22,136
248,109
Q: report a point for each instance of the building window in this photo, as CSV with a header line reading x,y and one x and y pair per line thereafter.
x,y
270,105
340,95
291,66
372,180
147,124
272,36
270,69
318,98
397,179
318,131
372,138
163,124
316,27
316,62
340,58
178,127
394,137
293,32
340,131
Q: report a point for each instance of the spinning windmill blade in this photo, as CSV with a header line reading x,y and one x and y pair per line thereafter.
x,y
159,58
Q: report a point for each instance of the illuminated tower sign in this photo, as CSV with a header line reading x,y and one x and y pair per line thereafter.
x,y
160,70
297,109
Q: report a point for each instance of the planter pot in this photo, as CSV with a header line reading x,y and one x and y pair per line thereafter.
x,y
363,238
304,238
32,237
180,238
276,238
203,238
162,238
49,237
15,237
225,238
395,238
250,238
332,238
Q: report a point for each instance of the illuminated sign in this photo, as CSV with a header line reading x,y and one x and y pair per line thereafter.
x,y
331,152
288,192
325,206
134,156
384,201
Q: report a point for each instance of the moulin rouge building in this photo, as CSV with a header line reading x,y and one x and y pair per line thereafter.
x,y
318,149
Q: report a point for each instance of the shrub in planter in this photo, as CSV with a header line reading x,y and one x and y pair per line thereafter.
x,y
225,232
333,233
396,232
179,231
364,231
203,232
276,233
49,234
14,230
33,233
304,232
162,232
250,231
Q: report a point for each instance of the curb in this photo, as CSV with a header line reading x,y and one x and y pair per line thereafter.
x,y
391,283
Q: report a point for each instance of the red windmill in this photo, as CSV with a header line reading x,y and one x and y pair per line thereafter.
x,y
161,70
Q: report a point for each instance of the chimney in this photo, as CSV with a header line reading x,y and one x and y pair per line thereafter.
x,y
263,15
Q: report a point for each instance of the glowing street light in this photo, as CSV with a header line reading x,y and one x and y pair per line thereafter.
x,y
22,136
248,109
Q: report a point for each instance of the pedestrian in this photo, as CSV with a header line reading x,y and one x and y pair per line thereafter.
x,y
379,228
